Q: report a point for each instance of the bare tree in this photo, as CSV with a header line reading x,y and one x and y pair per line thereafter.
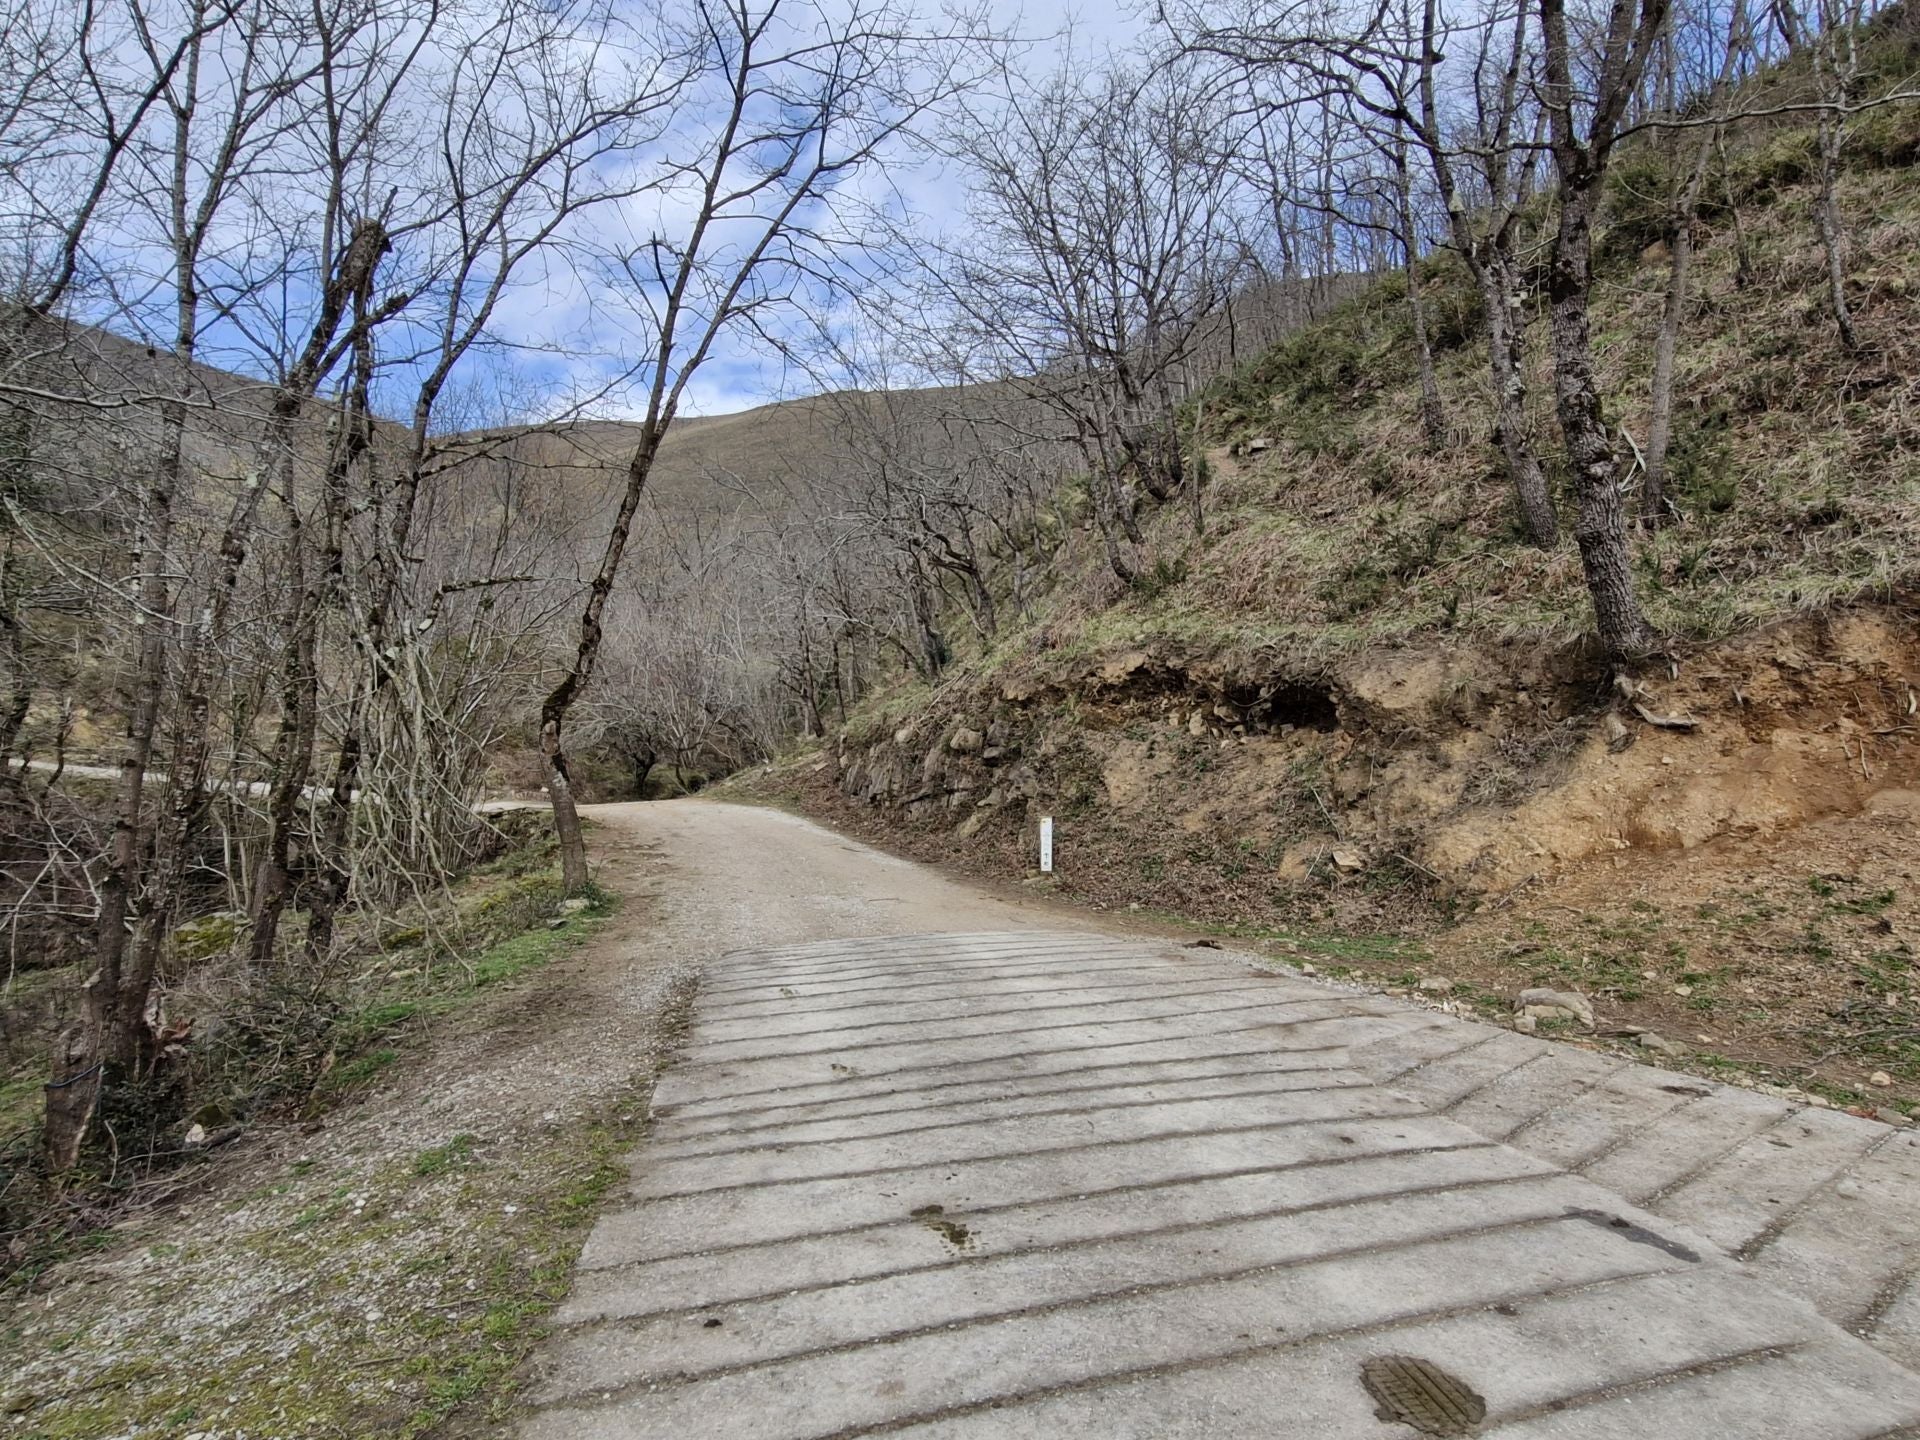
x,y
796,115
1584,128
256,171
1836,67
1485,222
220,107
1105,234
1433,414
944,479
1696,151
530,136
1472,118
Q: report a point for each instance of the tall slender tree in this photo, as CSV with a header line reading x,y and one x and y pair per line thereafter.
x,y
761,217
1584,126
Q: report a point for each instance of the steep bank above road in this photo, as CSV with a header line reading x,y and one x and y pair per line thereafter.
x,y
1346,705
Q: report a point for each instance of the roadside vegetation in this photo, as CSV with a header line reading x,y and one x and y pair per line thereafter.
x,y
1432,489
372,1250
280,1054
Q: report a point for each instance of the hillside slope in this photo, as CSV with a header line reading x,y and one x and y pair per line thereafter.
x,y
1356,715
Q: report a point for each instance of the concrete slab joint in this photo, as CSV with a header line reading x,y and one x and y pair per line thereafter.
x,y
1030,1183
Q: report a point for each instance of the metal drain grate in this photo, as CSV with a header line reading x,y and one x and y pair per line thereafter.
x,y
1419,1393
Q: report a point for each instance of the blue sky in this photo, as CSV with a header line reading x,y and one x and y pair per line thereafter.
x,y
745,372
558,342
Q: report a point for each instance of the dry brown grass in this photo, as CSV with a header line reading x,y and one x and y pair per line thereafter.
x,y
1794,465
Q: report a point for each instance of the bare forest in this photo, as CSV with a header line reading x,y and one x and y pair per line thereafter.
x,y
316,537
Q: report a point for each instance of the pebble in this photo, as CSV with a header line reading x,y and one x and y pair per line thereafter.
x,y
1660,1045
1544,1004
1880,1078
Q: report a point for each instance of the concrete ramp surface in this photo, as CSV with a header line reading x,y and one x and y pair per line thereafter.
x,y
1033,1184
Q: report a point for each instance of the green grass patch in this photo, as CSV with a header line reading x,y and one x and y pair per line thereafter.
x,y
439,1159
374,1033
360,1071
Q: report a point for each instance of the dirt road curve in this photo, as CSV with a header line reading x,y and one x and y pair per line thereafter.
x,y
933,1163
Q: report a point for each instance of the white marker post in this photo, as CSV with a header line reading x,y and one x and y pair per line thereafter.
x,y
1046,844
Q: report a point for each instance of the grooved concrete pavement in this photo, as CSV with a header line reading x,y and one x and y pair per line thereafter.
x,y
1017,1181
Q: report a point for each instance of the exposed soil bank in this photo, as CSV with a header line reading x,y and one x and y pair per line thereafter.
x,y
1720,849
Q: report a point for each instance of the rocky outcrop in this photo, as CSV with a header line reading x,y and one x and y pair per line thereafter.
x,y
961,767
1478,769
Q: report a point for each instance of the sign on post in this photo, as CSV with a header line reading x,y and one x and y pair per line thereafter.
x,y
1046,844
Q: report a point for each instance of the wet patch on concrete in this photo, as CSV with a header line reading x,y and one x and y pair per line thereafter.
x,y
1410,1391
936,1219
1638,1234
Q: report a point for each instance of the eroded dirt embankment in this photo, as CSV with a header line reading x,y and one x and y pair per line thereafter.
x,y
1720,845
1480,768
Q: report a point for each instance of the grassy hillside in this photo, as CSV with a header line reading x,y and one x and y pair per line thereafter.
x,y
1356,718
1796,465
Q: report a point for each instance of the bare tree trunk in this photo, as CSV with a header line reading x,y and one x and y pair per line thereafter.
x,y
553,710
19,701
16,460
1832,234
189,760
296,737
1836,67
566,812
1113,523
315,590
1512,429
1653,500
1147,461
1199,472
1489,259
392,534
987,614
639,767
1433,415
292,758
105,1047
1655,507
1787,20
1121,503
1600,526
330,889
933,646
